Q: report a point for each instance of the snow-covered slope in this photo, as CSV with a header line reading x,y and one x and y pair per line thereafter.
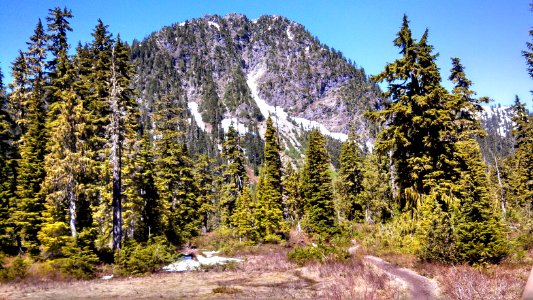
x,y
286,125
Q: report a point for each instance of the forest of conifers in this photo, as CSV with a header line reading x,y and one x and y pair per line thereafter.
x,y
85,180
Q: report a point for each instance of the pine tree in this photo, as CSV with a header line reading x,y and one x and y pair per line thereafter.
x,y
480,232
121,130
243,217
317,189
174,175
58,66
293,205
20,92
234,175
462,103
142,208
27,214
349,180
7,168
269,209
521,177
416,120
206,187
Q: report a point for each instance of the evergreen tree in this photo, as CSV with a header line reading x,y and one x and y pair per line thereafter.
x,y
58,26
521,177
243,218
293,206
317,189
142,208
7,168
349,180
27,213
234,175
20,92
480,233
376,192
417,120
462,104
174,175
269,209
59,64
206,187
121,130
65,163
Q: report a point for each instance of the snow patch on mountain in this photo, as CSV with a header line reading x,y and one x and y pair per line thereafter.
x,y
280,117
289,34
240,127
193,107
308,125
211,23
503,116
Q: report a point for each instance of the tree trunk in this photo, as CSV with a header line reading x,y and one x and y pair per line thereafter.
x,y
72,208
116,155
502,191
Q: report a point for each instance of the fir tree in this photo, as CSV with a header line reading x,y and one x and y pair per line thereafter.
x,y
480,232
521,177
206,187
269,208
243,217
59,64
234,175
142,208
316,188
20,92
416,120
27,213
174,175
462,103
293,206
349,180
121,128
7,168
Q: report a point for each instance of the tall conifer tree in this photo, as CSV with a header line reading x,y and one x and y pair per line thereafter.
x,y
350,179
27,215
317,189
7,168
269,208
234,175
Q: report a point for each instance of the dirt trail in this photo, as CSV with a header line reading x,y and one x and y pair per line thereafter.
x,y
420,287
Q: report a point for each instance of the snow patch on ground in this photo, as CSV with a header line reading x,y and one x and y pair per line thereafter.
x,y
210,23
193,107
181,24
233,121
189,264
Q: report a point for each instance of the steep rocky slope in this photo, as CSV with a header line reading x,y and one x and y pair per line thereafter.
x,y
232,70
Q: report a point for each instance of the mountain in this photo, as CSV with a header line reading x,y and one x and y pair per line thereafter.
x,y
498,124
232,70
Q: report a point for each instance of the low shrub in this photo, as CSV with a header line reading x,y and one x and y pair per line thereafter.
x,y
18,269
138,258
79,263
317,253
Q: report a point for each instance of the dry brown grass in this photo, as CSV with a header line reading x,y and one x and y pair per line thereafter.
x,y
265,274
466,282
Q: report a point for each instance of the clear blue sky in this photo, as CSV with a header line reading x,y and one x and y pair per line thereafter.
x,y
488,35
